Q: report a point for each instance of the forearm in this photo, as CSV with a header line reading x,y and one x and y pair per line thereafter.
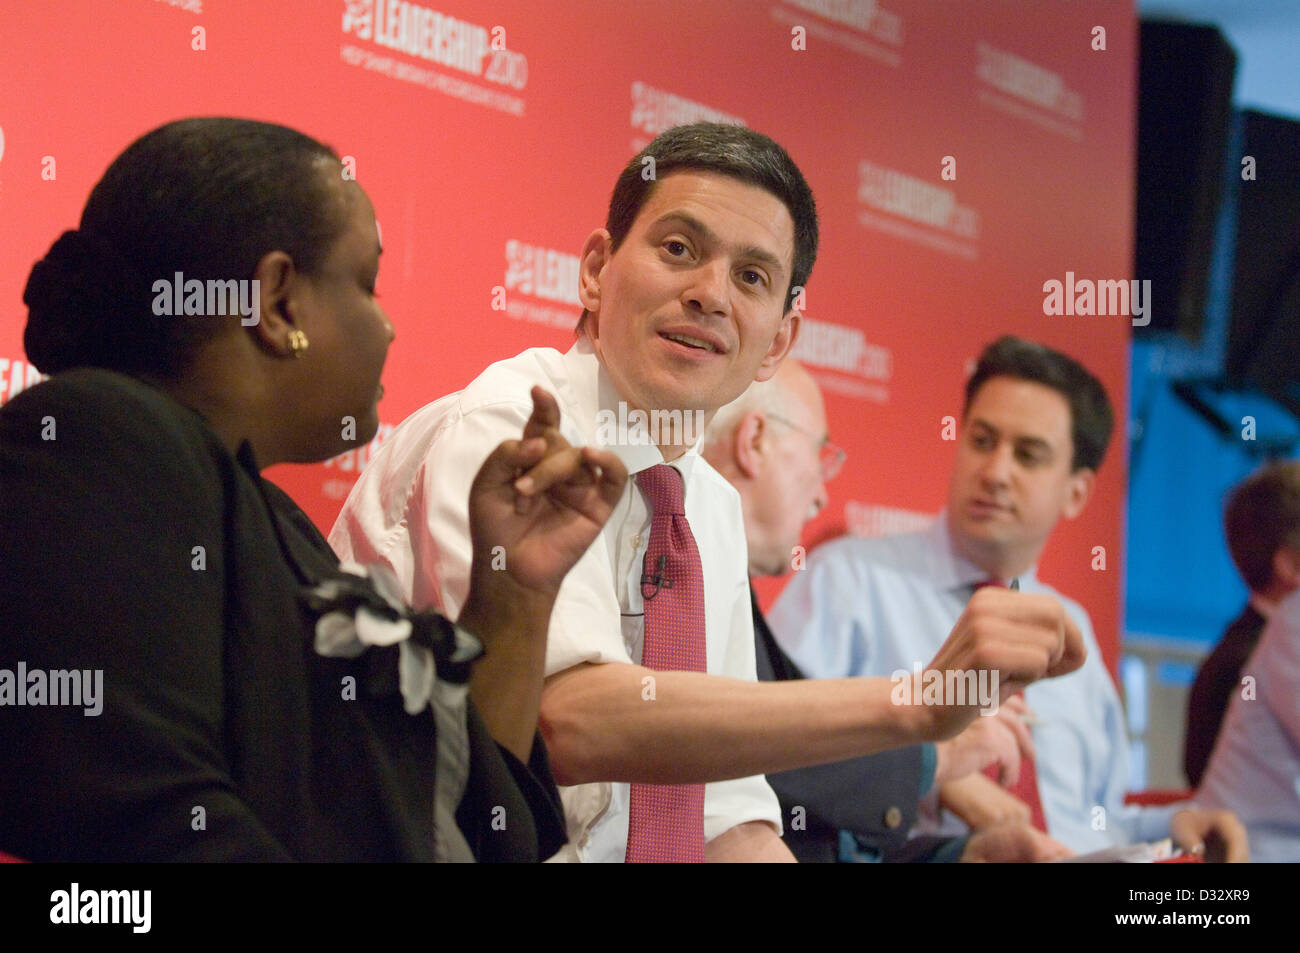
x,y
605,723
506,683
981,802
754,842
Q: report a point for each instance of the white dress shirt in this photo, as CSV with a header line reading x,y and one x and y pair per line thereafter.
x,y
875,606
409,511
1255,768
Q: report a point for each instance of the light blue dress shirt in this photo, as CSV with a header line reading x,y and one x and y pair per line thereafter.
x,y
877,606
1255,768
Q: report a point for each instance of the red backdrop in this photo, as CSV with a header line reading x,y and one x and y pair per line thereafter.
x,y
488,136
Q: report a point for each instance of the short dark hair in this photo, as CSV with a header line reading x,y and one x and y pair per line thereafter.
x,y
1091,417
726,149
206,197
1263,514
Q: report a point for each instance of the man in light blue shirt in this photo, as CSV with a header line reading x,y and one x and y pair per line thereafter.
x,y
1034,430
1255,767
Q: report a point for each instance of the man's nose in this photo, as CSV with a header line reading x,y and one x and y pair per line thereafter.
x,y
710,287
996,468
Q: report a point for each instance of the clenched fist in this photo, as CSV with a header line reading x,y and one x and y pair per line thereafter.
x,y
1015,636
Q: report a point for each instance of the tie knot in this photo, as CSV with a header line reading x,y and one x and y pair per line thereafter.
x,y
662,486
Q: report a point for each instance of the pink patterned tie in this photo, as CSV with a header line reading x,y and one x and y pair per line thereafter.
x,y
666,821
1026,787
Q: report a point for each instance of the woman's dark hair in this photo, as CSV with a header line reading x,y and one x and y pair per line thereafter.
x,y
204,197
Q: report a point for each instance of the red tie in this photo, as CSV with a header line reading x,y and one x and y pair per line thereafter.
x,y
666,821
1026,788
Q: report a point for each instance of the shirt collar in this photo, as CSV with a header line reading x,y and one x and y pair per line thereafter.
x,y
594,398
952,571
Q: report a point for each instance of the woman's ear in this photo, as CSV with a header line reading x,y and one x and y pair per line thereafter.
x,y
280,288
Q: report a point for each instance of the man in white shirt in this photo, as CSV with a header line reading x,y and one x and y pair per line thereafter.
x,y
1035,426
689,296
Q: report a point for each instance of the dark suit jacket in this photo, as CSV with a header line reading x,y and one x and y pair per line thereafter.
x,y
135,543
1218,678
874,797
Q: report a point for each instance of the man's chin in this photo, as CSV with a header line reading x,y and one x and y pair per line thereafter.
x,y
985,533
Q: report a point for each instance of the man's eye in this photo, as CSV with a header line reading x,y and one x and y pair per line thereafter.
x,y
675,248
751,277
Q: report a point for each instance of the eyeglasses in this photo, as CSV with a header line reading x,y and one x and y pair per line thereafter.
x,y
830,456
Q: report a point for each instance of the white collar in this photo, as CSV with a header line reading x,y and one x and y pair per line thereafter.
x,y
594,396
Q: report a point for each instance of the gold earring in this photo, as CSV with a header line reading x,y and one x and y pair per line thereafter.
x,y
297,342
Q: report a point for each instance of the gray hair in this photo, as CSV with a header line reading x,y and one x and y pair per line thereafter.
x,y
768,396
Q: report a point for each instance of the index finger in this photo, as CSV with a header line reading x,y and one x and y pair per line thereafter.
x,y
610,471
545,415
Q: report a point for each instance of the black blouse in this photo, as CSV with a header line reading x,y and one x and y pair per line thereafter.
x,y
133,542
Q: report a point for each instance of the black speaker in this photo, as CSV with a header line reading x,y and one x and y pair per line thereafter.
x,y
1185,76
1264,337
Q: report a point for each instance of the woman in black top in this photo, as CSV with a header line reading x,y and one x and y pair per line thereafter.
x,y
185,671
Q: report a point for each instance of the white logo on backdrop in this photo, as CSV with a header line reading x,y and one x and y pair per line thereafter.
x,y
1028,91
949,227
654,110
535,272
541,272
873,519
826,347
440,39
357,18
860,26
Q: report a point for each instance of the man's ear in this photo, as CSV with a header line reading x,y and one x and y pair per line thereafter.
x,y
1286,566
782,344
596,252
280,288
748,443
1078,491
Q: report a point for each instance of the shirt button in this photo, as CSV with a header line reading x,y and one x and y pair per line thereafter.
x,y
636,541
893,818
